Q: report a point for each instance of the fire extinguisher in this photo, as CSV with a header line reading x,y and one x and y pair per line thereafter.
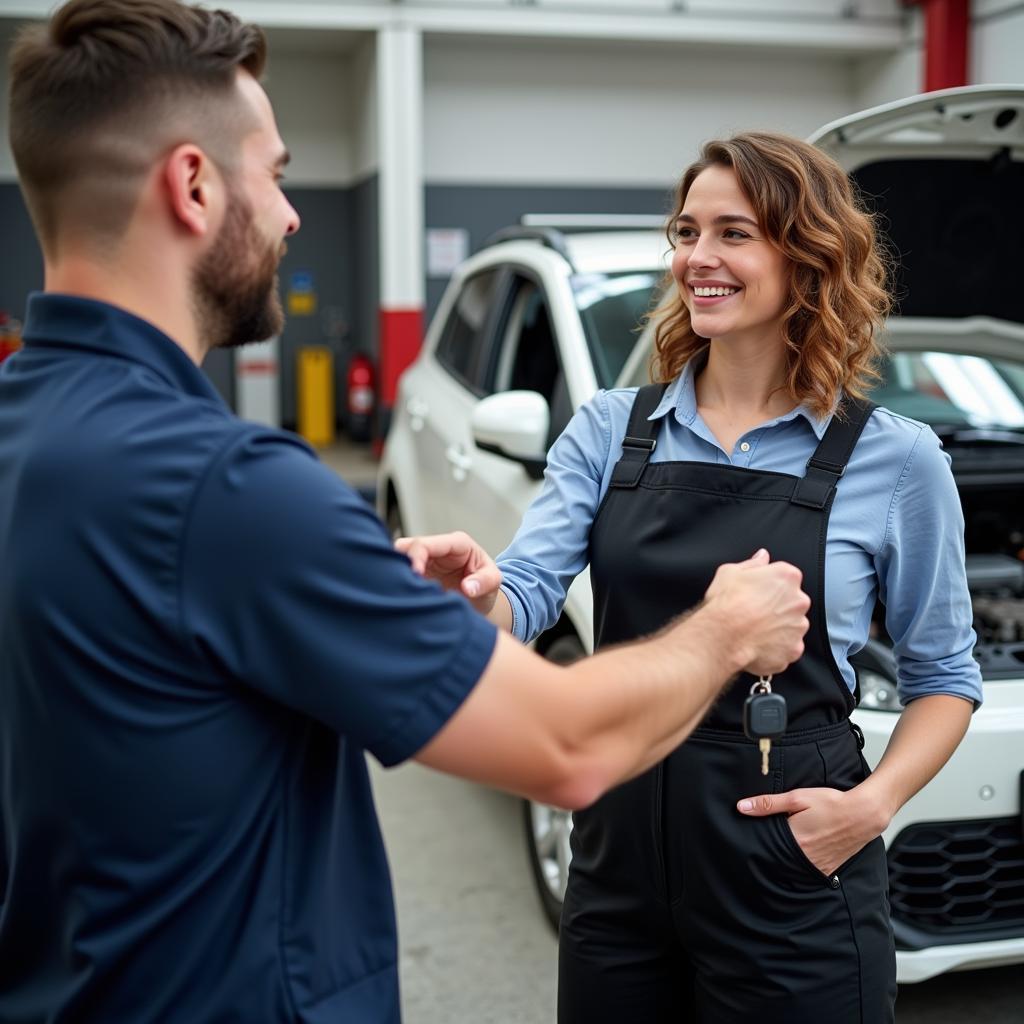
x,y
10,335
360,396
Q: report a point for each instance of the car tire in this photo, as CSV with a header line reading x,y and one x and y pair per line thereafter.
x,y
393,521
547,829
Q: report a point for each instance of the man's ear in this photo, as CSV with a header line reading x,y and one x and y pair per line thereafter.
x,y
193,188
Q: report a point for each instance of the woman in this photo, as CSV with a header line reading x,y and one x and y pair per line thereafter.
x,y
687,900
704,890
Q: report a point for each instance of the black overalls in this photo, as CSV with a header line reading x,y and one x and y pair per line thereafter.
x,y
678,907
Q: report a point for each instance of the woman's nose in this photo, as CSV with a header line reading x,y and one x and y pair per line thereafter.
x,y
704,253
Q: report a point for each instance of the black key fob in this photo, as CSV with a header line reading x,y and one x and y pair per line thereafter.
x,y
764,716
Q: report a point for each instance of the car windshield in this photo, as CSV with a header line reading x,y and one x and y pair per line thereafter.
x,y
960,395
611,307
964,397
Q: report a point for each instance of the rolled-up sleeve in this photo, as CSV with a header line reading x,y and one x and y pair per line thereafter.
x,y
551,547
923,582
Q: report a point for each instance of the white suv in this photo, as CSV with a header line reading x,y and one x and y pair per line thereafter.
x,y
531,325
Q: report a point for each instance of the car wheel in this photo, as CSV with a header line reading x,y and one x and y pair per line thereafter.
x,y
394,520
547,829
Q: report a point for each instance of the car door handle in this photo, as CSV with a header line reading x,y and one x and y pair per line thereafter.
x,y
416,409
459,460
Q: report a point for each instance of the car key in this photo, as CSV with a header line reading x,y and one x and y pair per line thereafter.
x,y
764,717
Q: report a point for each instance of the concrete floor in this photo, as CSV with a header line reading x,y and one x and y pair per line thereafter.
x,y
354,463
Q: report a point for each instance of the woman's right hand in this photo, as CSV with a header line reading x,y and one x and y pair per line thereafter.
x,y
766,608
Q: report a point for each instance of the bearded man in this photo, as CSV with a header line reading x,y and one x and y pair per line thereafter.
x,y
202,629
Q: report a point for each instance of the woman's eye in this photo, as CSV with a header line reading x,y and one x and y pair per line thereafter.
x,y
734,233
682,234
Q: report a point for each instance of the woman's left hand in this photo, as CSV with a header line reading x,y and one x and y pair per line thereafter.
x,y
829,825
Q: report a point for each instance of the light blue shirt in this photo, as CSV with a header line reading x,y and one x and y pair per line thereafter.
x,y
896,531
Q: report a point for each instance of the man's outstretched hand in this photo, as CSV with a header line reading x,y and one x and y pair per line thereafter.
x,y
457,562
768,611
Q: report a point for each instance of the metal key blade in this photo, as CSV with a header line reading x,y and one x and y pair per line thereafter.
x,y
766,746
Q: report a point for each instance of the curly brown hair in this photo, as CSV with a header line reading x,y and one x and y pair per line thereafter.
x,y
807,207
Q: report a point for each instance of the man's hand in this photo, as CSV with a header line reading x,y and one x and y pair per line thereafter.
x,y
765,610
457,562
828,825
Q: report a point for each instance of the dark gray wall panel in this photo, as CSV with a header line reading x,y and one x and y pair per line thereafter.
x,y
323,249
483,209
21,262
366,264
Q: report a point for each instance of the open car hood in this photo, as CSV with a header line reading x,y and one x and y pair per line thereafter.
x,y
970,122
944,172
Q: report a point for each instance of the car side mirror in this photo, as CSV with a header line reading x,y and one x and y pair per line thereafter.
x,y
514,424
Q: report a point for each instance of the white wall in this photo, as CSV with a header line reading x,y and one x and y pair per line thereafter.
x,y
362,83
515,110
315,108
997,43
892,76
528,112
314,100
996,54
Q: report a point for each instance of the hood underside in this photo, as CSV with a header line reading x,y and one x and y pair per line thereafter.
x,y
944,173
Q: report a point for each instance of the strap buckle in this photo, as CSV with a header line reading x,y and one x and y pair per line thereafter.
x,y
835,468
647,443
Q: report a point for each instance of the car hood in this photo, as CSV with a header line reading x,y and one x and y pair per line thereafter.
x,y
944,173
980,335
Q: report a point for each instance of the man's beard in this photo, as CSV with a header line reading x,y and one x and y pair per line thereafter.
x,y
234,286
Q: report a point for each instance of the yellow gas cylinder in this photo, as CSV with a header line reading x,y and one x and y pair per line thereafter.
x,y
316,394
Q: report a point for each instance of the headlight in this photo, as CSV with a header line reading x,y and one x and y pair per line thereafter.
x,y
877,693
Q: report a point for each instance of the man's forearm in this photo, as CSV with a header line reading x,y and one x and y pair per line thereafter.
x,y
632,705
565,735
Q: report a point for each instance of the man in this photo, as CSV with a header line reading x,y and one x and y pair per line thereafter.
x,y
201,628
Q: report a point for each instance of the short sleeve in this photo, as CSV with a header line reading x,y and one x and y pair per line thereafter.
x,y
290,586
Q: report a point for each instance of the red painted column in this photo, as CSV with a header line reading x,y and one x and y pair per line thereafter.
x,y
400,211
946,32
401,332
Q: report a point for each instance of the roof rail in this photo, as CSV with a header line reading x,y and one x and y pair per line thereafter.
x,y
593,221
550,237
550,229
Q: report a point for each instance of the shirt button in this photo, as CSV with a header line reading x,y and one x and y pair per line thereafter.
x,y
745,447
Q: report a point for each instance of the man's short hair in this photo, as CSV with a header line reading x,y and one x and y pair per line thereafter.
x,y
106,86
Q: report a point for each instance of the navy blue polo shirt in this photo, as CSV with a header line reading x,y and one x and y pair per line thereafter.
x,y
202,629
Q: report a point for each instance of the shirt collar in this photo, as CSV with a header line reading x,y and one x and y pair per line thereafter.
x,y
70,321
681,398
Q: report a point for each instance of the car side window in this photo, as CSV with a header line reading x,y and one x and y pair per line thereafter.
x,y
463,348
529,359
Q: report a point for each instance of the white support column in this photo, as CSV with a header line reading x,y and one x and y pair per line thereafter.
x,y
400,216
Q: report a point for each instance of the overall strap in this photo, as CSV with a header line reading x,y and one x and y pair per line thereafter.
x,y
639,441
828,463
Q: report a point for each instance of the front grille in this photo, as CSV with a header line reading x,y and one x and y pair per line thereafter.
x,y
960,876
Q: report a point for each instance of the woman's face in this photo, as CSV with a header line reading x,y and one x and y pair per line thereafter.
x,y
733,280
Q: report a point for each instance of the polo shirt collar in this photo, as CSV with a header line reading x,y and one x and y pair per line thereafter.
x,y
70,321
680,398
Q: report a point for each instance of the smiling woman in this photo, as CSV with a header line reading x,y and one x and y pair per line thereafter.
x,y
686,898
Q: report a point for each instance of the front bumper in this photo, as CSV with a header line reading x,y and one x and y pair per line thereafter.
x,y
958,899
